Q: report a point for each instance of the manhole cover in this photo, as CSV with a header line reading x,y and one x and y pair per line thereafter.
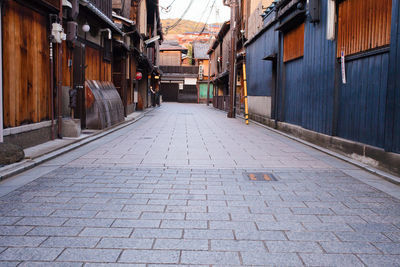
x,y
260,176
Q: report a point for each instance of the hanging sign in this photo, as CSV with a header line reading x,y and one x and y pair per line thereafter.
x,y
139,75
343,67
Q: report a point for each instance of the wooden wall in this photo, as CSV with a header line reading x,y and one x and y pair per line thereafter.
x,y
142,17
363,25
26,66
170,58
66,70
97,68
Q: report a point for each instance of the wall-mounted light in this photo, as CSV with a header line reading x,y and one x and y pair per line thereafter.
x,y
86,27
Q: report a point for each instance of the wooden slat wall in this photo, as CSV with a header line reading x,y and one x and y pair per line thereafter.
x,y
363,25
93,59
97,69
66,71
26,66
293,43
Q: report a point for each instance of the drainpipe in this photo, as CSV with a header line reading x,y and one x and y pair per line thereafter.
x,y
1,76
52,82
59,78
232,60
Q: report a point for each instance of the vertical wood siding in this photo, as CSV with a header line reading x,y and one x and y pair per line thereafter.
x,y
319,77
97,68
362,100
66,70
392,124
294,101
26,67
293,43
309,82
363,25
260,80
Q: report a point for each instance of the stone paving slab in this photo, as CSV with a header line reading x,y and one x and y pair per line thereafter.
x,y
137,215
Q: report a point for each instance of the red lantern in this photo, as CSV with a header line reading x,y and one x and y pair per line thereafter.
x,y
139,75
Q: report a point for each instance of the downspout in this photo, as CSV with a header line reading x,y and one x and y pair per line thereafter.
x,y
52,82
1,75
59,78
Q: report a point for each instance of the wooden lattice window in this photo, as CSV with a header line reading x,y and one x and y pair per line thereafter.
x,y
363,25
293,43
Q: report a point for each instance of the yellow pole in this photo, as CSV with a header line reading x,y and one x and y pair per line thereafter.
x,y
246,104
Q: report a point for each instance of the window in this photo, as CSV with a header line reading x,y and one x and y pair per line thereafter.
x,y
293,43
107,52
363,25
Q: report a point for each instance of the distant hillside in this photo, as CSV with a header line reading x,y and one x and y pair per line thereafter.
x,y
183,26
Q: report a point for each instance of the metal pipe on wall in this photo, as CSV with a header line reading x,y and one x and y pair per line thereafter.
x,y
232,60
52,88
59,80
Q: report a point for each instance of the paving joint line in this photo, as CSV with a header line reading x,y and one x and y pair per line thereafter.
x,y
385,175
31,163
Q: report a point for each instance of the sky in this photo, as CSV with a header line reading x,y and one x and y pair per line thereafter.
x,y
197,11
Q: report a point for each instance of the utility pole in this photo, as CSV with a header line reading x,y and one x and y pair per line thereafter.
x,y
231,113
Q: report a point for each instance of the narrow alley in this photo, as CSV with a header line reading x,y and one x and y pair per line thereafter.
x,y
187,186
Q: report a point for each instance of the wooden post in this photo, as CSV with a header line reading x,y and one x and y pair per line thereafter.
x,y
209,78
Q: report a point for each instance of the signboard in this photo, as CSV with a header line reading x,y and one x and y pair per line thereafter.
x,y
190,81
343,66
180,86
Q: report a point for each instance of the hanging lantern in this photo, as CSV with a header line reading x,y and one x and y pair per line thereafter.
x,y
139,76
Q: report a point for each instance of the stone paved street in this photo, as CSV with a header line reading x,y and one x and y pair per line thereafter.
x,y
176,188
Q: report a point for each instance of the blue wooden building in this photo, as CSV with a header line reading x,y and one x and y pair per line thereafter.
x,y
329,71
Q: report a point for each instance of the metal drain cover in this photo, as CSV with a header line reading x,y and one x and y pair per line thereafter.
x,y
260,176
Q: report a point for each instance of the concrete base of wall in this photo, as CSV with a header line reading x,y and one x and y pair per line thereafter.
x,y
71,127
30,138
373,156
260,105
130,108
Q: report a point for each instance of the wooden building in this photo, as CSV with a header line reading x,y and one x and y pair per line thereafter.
x,y
140,21
179,83
171,53
201,59
329,72
45,81
28,99
219,63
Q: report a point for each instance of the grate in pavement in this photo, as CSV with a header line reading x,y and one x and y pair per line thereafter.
x,y
260,176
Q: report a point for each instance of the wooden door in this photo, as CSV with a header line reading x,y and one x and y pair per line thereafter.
x,y
79,81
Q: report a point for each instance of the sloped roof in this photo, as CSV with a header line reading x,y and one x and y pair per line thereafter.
x,y
171,46
200,50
